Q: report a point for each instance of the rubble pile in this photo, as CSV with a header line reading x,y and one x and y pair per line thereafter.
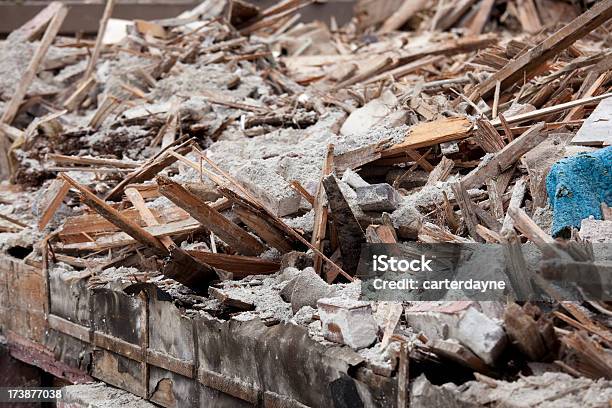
x,y
238,159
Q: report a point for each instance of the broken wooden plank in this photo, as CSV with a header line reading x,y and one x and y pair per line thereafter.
x,y
441,172
506,157
252,202
121,239
239,266
51,201
180,260
524,332
320,208
467,209
455,351
481,17
408,9
264,228
34,27
194,275
93,60
225,229
432,133
115,217
516,199
227,299
149,169
350,234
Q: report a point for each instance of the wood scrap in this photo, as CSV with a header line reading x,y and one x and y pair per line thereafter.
x,y
532,60
229,232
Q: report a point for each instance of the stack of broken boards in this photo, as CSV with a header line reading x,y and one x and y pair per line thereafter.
x,y
215,145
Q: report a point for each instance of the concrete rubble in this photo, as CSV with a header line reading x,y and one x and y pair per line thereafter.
x,y
189,211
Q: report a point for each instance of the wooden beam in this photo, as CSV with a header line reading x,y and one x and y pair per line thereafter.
x,y
210,218
540,113
34,27
240,266
264,228
408,9
527,63
91,65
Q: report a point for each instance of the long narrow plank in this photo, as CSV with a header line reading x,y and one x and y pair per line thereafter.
x,y
266,230
530,61
52,200
225,229
240,266
121,239
94,223
320,209
408,9
539,113
108,10
32,28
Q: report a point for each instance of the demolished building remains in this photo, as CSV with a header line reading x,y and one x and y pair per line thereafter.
x,y
186,202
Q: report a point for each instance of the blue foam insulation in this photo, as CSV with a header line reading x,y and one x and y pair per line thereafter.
x,y
577,186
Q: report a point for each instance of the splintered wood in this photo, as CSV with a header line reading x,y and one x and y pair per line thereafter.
x,y
229,147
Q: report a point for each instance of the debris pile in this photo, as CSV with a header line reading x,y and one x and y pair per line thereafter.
x,y
238,160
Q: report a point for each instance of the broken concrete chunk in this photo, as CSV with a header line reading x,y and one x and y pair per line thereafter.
x,y
348,321
424,394
407,220
306,289
481,334
270,188
462,321
288,274
369,115
296,259
596,230
353,179
435,319
378,197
